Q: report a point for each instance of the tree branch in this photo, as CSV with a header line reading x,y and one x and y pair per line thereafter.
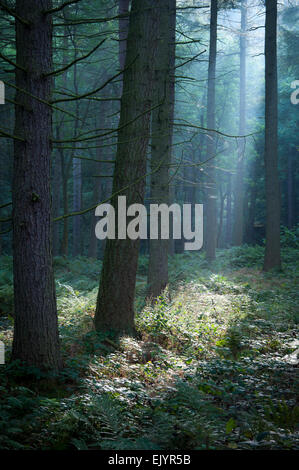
x,y
11,62
12,13
63,69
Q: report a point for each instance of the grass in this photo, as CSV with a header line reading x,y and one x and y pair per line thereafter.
x,y
215,366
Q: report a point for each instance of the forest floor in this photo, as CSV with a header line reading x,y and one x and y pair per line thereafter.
x,y
215,365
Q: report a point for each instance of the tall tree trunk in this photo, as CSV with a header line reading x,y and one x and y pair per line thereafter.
x,y
65,167
115,303
239,183
272,252
36,339
77,194
290,197
96,197
77,174
162,125
56,202
228,229
123,9
221,211
211,211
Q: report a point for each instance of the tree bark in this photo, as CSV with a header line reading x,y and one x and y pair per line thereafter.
x,y
36,339
272,251
211,211
115,309
162,125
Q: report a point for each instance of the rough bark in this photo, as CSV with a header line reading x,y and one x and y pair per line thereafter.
x,y
211,208
161,145
115,309
272,251
36,340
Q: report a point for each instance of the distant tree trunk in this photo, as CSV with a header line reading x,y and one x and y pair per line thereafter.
x,y
272,252
123,9
222,199
65,167
77,195
239,184
77,173
56,202
36,339
290,197
115,303
211,211
96,197
161,146
228,234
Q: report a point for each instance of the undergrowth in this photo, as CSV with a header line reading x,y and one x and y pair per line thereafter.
x,y
215,365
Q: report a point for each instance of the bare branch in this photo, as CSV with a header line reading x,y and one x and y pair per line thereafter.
x,y
63,69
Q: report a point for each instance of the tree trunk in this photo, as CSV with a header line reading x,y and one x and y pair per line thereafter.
x,y
239,184
211,211
162,125
272,252
96,197
115,303
77,174
77,194
36,339
228,234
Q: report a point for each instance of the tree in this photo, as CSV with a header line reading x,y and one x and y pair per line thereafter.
x,y
272,252
36,339
162,125
211,206
115,309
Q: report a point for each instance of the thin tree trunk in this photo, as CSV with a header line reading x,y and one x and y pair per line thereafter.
x,y
93,243
272,252
115,303
56,203
36,340
290,197
228,235
211,211
162,125
77,194
239,184
77,174
222,199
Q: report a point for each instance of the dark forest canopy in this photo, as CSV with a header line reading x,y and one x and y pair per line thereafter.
x,y
172,103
